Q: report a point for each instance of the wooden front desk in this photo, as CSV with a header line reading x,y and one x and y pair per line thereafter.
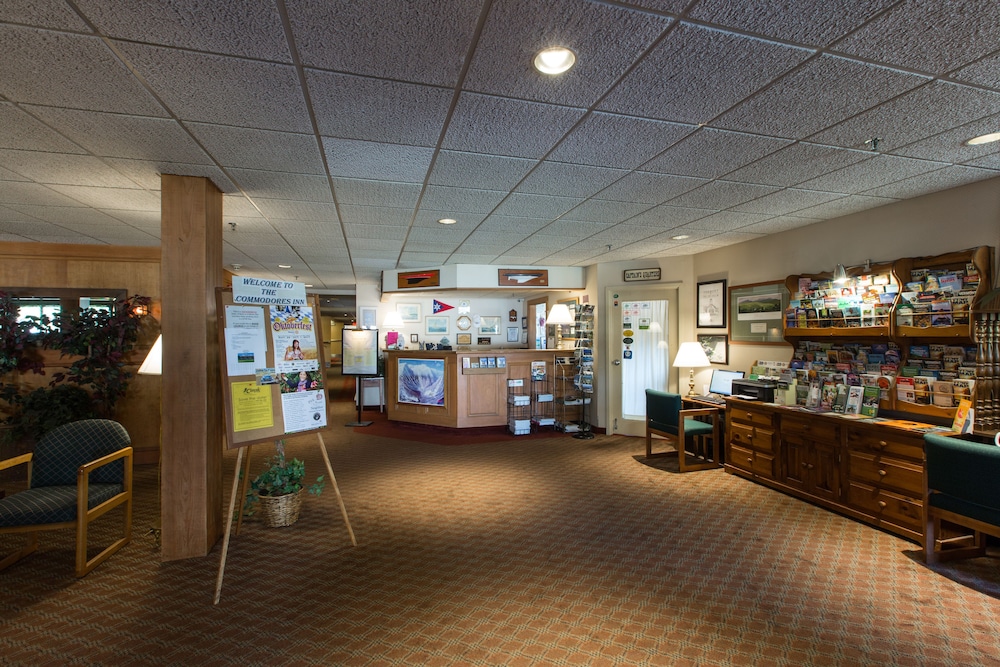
x,y
473,397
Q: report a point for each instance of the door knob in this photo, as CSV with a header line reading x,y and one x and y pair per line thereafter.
x,y
617,362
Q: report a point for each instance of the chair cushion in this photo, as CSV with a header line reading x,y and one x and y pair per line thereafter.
x,y
693,427
50,504
663,426
63,450
990,515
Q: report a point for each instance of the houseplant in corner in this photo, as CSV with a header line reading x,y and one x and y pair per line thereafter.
x,y
278,489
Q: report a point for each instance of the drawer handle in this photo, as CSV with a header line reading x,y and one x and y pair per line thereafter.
x,y
883,444
882,473
882,504
749,415
805,465
750,460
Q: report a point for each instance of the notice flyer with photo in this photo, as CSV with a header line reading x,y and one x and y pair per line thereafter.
x,y
293,331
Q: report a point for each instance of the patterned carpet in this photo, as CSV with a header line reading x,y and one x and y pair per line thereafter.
x,y
551,551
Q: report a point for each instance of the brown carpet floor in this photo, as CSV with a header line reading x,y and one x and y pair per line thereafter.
x,y
551,551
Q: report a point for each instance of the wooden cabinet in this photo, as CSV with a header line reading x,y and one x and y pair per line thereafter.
x,y
751,439
811,456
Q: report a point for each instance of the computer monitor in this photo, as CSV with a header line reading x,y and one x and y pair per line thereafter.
x,y
722,381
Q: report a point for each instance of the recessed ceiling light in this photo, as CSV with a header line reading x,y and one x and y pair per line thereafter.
x,y
447,221
984,139
555,60
284,266
680,237
308,285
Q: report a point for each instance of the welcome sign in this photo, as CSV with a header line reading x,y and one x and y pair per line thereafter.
x,y
260,291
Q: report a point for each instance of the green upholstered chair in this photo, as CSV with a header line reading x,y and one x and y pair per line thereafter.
x,y
666,418
77,472
961,490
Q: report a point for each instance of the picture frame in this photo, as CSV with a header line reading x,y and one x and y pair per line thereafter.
x,y
754,305
711,304
483,340
489,326
409,312
367,317
431,393
513,335
463,339
716,347
414,338
437,325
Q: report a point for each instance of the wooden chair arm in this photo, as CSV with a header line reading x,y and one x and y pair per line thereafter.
x,y
701,412
87,468
16,461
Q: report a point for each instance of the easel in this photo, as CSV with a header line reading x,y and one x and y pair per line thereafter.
x,y
240,490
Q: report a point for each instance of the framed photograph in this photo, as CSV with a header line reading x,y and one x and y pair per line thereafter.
x,y
712,305
716,346
524,322
756,313
513,335
367,317
414,338
463,339
436,325
489,326
484,340
410,312
421,381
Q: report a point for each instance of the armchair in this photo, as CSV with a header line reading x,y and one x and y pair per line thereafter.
x,y
665,418
77,473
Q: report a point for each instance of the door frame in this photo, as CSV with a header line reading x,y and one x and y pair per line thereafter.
x,y
531,319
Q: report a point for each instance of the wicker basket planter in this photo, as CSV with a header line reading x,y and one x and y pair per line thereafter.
x,y
278,511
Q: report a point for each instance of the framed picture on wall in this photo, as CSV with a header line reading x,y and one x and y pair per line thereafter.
x,y
464,339
436,325
366,319
712,305
410,312
513,334
489,326
716,347
757,313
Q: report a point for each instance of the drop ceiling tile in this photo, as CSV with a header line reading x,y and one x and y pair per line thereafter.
x,y
392,112
843,206
683,250
568,180
619,235
245,238
645,187
475,170
250,28
146,174
524,205
257,224
260,149
985,72
42,13
428,219
419,259
880,170
129,238
950,146
111,198
606,38
986,162
670,83
779,224
731,238
237,204
66,215
378,264
711,153
721,194
69,238
670,6
607,212
20,130
928,35
926,111
8,175
62,169
147,220
558,231
725,221
33,228
609,140
823,91
513,225
375,231
942,179
498,126
796,163
819,23
667,216
352,191
407,37
382,162
13,238
20,213
458,201
79,72
377,215
282,209
314,229
16,192
787,201
276,185
221,89
380,248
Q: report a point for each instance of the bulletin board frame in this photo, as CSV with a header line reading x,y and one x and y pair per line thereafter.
x,y
242,438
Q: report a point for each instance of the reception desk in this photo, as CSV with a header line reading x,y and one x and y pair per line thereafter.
x,y
469,398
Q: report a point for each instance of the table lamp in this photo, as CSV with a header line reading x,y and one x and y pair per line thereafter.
x,y
692,356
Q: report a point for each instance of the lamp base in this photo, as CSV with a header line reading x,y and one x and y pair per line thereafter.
x,y
691,383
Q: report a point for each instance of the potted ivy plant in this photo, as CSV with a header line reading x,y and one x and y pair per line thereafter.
x,y
278,489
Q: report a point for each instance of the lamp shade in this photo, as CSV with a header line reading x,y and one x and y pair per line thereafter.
x,y
691,355
153,363
560,315
393,320
840,274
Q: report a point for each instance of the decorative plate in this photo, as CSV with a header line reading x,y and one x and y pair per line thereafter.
x,y
463,323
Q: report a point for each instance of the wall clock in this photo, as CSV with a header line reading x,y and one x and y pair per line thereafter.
x,y
463,323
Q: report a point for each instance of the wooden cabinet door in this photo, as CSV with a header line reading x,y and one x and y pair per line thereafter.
x,y
795,463
825,471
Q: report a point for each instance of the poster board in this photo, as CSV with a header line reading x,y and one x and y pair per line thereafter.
x,y
359,351
273,369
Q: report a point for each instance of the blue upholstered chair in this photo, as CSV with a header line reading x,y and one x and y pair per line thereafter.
x,y
77,472
665,418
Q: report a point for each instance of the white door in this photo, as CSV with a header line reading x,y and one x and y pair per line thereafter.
x,y
641,328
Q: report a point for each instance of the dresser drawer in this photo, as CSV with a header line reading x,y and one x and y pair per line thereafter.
x,y
751,461
815,429
886,506
741,415
893,444
883,471
751,436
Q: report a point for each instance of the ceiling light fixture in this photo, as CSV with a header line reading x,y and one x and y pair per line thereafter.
x,y
284,266
984,139
447,221
555,60
680,237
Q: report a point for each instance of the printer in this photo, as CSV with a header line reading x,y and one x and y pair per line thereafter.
x,y
755,390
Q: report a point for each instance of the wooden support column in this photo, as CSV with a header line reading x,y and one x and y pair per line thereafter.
x,y
192,431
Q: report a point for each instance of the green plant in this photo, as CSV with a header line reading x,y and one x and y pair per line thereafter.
x,y
280,477
45,408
